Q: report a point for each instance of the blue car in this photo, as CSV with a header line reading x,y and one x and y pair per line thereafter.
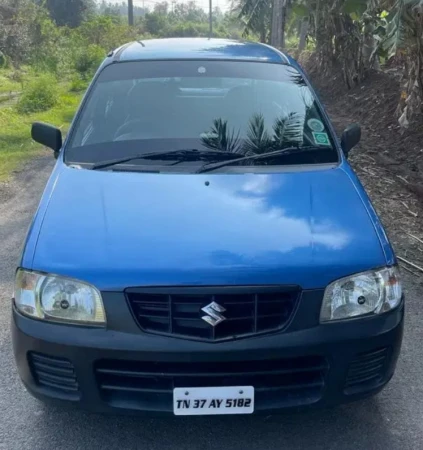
x,y
203,245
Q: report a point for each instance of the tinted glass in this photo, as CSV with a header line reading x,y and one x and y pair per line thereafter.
x,y
234,107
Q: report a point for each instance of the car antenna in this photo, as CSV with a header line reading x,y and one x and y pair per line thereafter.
x,y
141,43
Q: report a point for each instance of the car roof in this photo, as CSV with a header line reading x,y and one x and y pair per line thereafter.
x,y
197,48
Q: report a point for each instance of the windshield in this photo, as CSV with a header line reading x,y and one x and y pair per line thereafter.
x,y
239,108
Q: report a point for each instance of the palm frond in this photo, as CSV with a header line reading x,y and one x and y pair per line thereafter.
x,y
288,130
221,138
294,128
258,139
254,15
279,128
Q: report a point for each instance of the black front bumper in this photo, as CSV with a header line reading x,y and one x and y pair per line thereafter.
x,y
124,369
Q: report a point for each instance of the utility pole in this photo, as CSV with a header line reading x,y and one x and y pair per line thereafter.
x,y
278,23
210,18
131,12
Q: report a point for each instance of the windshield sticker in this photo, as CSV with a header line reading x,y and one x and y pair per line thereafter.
x,y
316,125
321,138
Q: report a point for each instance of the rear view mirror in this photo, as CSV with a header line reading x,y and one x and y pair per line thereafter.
x,y
47,135
350,137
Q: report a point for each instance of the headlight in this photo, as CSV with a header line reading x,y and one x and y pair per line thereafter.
x,y
367,293
59,299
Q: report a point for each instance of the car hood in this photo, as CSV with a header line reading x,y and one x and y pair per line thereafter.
x,y
121,229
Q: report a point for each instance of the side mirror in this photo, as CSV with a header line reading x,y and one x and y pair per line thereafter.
x,y
47,135
350,137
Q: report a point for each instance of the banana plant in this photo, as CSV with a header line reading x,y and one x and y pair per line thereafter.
x,y
403,38
404,26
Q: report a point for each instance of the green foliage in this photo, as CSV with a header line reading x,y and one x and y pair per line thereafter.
x,y
40,94
69,13
78,84
300,10
47,41
255,16
105,32
401,26
11,81
4,61
292,42
16,28
29,33
88,60
188,29
155,24
15,140
356,8
189,12
192,29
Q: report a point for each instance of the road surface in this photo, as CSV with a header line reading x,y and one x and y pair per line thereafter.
x,y
392,420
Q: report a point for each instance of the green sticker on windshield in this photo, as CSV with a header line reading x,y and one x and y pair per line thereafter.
x,y
316,125
321,138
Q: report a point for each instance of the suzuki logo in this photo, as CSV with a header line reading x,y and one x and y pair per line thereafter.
x,y
213,310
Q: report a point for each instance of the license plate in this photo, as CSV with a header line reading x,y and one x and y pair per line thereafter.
x,y
213,400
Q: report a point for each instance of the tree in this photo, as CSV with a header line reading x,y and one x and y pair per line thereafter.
x,y
266,18
69,13
184,12
155,23
255,16
336,26
17,26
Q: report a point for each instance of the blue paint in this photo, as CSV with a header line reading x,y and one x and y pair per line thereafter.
x,y
121,229
199,48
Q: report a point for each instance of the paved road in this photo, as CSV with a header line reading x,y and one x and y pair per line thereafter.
x,y
393,420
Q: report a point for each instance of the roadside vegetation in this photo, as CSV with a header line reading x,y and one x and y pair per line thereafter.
x,y
15,142
49,53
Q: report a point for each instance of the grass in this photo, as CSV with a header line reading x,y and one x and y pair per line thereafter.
x,y
7,83
16,145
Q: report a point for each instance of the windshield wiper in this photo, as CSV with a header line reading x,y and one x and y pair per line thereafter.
x,y
152,155
282,151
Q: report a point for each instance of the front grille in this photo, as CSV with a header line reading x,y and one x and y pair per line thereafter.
x,y
54,373
366,370
247,310
149,385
